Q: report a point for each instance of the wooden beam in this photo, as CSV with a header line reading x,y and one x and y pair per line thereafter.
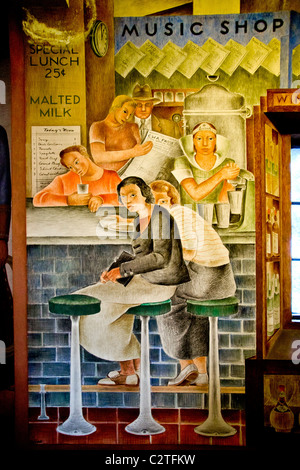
x,y
125,389
19,254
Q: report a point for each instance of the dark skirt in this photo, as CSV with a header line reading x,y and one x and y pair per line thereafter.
x,y
184,335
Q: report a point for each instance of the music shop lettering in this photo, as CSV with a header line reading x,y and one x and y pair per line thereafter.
x,y
198,27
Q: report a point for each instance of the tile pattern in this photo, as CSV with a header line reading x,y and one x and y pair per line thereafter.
x,y
111,423
61,269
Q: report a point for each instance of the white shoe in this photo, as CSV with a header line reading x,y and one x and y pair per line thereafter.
x,y
186,376
202,379
115,378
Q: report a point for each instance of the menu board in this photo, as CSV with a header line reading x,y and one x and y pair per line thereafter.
x,y
46,143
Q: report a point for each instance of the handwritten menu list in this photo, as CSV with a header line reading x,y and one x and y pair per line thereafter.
x,y
47,142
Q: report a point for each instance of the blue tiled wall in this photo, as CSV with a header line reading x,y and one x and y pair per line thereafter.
x,y
61,269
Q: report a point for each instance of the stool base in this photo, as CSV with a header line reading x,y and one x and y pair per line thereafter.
x,y
76,426
215,428
144,427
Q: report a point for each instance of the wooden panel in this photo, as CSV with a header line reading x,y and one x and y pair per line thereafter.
x,y
55,90
249,6
100,71
121,389
266,198
287,228
281,100
18,166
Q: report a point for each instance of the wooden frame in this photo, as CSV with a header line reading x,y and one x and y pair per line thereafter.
x,y
18,170
269,114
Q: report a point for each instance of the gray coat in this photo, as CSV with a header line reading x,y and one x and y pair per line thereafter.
x,y
158,251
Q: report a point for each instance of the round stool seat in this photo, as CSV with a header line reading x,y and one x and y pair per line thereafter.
x,y
213,308
151,309
74,304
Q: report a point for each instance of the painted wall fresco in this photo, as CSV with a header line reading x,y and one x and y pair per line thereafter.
x,y
200,77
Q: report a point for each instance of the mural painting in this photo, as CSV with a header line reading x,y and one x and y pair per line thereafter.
x,y
140,219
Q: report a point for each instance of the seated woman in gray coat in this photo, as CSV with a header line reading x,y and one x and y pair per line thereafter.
x,y
156,269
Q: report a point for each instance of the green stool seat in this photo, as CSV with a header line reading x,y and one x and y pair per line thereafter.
x,y
214,424
145,424
213,308
151,309
75,305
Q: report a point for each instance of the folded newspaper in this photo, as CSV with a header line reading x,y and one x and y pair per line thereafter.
x,y
158,163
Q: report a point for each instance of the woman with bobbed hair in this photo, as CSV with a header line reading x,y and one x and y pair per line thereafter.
x,y
156,268
185,336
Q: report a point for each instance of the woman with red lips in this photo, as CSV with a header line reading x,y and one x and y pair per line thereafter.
x,y
62,191
116,139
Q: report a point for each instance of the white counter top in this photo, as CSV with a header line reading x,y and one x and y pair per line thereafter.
x,y
71,225
68,225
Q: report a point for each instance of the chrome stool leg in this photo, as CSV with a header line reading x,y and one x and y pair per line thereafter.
x,y
145,424
215,424
75,425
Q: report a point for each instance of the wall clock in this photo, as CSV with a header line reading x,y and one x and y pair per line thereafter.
x,y
99,38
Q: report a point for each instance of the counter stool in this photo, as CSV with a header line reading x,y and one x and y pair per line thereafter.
x,y
145,423
215,424
75,305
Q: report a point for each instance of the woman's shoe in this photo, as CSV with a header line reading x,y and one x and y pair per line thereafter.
x,y
202,379
115,378
186,376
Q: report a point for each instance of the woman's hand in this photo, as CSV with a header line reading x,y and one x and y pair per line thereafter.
x,y
142,149
230,171
111,275
94,203
76,199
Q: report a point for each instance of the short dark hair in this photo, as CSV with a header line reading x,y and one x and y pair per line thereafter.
x,y
144,188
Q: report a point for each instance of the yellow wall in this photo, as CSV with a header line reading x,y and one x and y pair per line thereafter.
x,y
215,7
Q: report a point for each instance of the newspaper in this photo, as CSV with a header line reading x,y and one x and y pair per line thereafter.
x,y
152,165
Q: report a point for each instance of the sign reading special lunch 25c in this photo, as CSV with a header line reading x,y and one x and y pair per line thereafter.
x,y
54,62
